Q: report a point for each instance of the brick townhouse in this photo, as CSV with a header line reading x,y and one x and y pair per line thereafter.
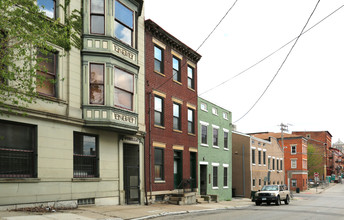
x,y
171,113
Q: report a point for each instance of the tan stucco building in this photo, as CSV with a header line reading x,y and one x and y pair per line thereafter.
x,y
257,163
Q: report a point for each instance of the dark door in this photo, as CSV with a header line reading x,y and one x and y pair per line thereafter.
x,y
177,168
193,165
203,179
131,173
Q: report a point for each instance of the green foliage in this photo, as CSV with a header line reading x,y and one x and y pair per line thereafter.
x,y
315,160
24,29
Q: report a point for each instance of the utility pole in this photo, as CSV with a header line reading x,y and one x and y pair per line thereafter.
x,y
284,128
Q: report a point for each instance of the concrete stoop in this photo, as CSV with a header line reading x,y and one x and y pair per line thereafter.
x,y
207,198
183,199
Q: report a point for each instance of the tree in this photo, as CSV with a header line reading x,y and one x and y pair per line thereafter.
x,y
315,160
26,32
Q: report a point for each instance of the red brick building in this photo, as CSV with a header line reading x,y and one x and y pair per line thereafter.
x,y
171,113
295,159
322,141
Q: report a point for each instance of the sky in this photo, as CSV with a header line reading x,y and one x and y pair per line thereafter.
x,y
307,92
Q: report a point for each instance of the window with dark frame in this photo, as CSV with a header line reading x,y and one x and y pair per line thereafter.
x,y
204,134
159,163
273,164
253,156
264,157
253,182
259,157
96,83
124,89
47,72
225,176
191,121
18,150
176,117
48,7
176,69
158,111
281,166
85,156
215,176
225,140
124,23
158,59
191,81
277,164
293,149
97,17
215,137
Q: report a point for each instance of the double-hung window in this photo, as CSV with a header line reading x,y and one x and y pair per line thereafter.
x,y
47,73
159,163
215,176
18,145
264,157
158,59
273,164
204,130
124,23
124,89
215,137
225,139
158,111
281,166
277,164
253,156
191,81
96,83
293,149
191,121
97,17
176,69
176,117
259,157
85,155
225,176
48,7
293,163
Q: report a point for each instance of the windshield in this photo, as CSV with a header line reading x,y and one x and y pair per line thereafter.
x,y
270,188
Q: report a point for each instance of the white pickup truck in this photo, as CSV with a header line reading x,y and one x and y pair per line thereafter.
x,y
272,193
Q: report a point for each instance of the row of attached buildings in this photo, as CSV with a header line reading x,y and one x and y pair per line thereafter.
x,y
126,126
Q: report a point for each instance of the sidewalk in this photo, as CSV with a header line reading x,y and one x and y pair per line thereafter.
x,y
137,211
126,212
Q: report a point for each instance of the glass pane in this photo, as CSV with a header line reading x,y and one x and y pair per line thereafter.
x,y
48,64
48,86
157,53
158,104
123,99
158,172
176,123
97,73
175,63
157,118
96,94
190,83
16,136
157,66
190,127
48,7
158,156
190,115
124,80
123,14
176,110
97,6
176,75
190,72
89,145
97,24
123,33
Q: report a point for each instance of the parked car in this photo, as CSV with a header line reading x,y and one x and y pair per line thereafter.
x,y
272,193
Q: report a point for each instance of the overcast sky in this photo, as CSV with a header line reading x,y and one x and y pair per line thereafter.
x,y
307,92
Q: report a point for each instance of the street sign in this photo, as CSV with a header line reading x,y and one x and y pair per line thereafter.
x,y
316,174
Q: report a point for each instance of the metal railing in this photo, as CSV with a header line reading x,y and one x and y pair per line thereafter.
x,y
85,166
16,163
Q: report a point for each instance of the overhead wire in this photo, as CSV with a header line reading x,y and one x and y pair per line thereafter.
x,y
203,40
266,57
285,59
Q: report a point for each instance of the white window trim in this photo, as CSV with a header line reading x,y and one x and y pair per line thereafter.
x,y
204,163
225,165
291,149
204,123
225,130
225,115
206,110
215,164
216,126
213,111
253,148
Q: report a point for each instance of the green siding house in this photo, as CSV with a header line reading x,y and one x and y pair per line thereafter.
x,y
215,150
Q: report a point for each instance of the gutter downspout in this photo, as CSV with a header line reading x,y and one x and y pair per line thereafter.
x,y
150,144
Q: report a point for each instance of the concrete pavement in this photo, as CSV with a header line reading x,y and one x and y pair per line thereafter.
x,y
135,211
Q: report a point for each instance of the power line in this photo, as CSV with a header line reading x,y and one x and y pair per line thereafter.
x,y
273,78
203,41
260,61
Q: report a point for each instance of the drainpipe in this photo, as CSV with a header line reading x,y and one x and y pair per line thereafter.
x,y
150,144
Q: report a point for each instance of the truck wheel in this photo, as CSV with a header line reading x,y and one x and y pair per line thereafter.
x,y
287,200
258,203
278,201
